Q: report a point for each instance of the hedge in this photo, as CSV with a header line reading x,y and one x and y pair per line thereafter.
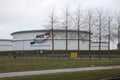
x,y
39,52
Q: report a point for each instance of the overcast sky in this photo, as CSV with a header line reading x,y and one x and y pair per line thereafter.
x,y
18,15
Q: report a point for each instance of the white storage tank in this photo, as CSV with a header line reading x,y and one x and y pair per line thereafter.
x,y
42,40
5,45
95,46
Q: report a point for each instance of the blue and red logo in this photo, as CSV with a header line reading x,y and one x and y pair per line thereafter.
x,y
41,38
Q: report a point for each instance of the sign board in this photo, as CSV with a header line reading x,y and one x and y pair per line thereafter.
x,y
40,38
74,55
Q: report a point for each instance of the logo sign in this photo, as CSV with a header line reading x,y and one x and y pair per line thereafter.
x,y
40,38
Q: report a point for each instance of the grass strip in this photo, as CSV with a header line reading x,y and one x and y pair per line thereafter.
x,y
30,64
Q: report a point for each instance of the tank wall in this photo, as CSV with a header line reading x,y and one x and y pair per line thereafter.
x,y
43,41
6,46
36,41
58,45
95,46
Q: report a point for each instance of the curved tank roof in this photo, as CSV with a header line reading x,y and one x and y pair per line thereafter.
x,y
45,30
5,40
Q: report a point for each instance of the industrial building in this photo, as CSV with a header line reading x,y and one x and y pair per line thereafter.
x,y
5,45
42,40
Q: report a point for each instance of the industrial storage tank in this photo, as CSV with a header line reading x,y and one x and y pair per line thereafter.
x,y
42,40
5,45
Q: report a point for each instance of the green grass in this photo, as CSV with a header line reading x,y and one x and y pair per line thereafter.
x,y
84,75
28,64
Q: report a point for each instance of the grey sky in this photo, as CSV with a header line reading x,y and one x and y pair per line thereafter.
x,y
18,15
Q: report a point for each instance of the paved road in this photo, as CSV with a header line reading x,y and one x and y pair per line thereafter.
x,y
13,74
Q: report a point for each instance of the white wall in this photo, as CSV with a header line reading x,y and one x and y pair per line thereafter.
x,y
5,45
58,45
22,41
95,46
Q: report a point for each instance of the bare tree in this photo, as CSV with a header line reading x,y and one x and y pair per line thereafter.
x,y
52,21
66,25
118,22
110,18
110,31
78,23
90,20
101,22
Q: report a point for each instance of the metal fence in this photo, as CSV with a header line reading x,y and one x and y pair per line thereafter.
x,y
48,54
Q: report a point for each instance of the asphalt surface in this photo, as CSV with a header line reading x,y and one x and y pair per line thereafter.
x,y
25,73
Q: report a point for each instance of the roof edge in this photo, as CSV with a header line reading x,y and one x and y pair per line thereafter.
x,y
43,30
5,39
